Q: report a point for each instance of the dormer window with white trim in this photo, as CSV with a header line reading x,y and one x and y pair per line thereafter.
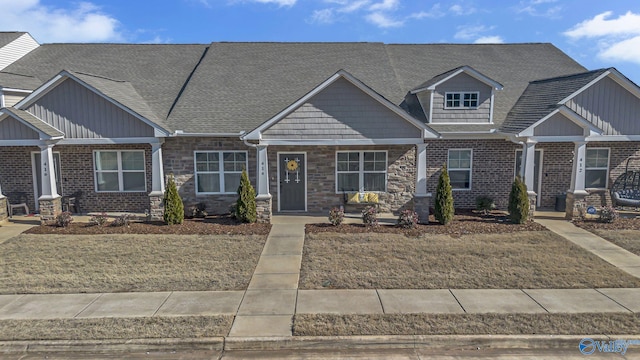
x,y
461,100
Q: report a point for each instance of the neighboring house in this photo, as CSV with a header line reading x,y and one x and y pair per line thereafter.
x,y
311,121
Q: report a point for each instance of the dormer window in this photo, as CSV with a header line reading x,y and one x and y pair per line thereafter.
x,y
461,100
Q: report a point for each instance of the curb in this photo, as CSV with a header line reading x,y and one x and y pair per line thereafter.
x,y
328,343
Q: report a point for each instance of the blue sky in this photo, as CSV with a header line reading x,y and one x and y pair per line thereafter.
x,y
595,33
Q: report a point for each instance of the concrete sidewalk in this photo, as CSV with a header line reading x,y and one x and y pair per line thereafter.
x,y
267,307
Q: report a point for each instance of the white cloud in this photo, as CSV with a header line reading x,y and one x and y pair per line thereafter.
x,y
382,20
278,2
354,6
433,13
458,9
489,40
83,23
617,39
324,16
468,32
385,5
540,8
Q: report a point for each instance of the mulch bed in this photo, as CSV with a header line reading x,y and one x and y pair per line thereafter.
x,y
211,225
619,224
464,222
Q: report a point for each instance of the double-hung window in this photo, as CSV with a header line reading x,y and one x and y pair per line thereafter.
x,y
218,172
459,167
119,170
596,168
361,171
461,100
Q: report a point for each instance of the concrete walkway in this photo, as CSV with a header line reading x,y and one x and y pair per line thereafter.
x,y
267,307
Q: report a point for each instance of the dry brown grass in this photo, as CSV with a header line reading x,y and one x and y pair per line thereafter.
x,y
465,324
127,263
626,239
522,260
116,328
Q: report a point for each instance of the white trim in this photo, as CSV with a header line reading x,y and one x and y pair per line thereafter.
x,y
15,90
616,76
606,179
473,135
221,172
108,141
2,99
589,128
179,133
306,193
120,171
461,100
31,142
491,107
431,95
469,71
470,169
361,170
256,134
43,136
461,123
596,138
34,172
338,142
515,172
551,139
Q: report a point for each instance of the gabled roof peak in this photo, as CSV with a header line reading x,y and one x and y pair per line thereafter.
x,y
445,76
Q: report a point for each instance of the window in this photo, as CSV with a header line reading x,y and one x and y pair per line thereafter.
x,y
119,171
596,168
459,166
361,171
461,100
218,172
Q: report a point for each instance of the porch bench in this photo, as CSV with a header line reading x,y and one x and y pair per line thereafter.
x,y
360,200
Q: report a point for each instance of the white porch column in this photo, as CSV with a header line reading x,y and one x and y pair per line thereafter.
x,y
157,171
48,175
578,172
262,173
528,165
421,170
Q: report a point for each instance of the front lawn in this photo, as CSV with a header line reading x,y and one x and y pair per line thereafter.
x,y
520,260
38,264
623,232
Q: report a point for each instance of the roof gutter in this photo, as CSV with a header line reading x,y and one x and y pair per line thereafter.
x,y
182,133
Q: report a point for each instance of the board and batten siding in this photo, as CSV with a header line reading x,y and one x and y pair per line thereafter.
x,y
610,107
461,83
12,129
82,114
16,49
558,125
12,98
342,111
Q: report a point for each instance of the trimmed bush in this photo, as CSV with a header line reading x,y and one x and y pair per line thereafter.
x,y
444,209
64,219
246,210
408,219
370,216
122,220
336,216
485,204
518,202
99,220
608,214
173,206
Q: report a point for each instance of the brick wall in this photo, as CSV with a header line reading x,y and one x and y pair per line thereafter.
x,y
178,159
15,171
618,154
321,176
557,161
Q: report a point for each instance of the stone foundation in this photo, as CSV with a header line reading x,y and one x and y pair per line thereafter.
x,y
50,208
533,198
576,206
263,207
3,209
421,205
156,207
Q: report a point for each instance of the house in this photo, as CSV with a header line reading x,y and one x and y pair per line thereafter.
x,y
310,122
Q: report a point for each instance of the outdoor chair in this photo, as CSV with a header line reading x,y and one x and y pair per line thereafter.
x,y
17,200
72,201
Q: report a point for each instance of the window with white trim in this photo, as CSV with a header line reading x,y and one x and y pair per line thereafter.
x,y
361,171
459,168
596,168
461,100
119,170
218,172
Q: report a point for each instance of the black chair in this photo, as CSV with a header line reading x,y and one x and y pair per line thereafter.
x,y
72,201
17,200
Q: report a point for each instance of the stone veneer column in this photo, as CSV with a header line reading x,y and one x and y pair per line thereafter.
x,y
263,197
49,201
421,198
49,208
576,195
156,196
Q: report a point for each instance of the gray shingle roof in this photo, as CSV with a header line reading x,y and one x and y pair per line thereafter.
x,y
542,97
35,122
9,36
19,81
156,72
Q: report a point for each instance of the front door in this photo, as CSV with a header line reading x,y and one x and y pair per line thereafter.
x,y
37,174
537,165
292,175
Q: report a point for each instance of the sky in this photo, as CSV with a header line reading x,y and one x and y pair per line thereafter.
x,y
597,34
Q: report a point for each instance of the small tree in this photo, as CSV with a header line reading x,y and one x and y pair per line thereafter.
x,y
518,202
246,204
444,198
173,207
